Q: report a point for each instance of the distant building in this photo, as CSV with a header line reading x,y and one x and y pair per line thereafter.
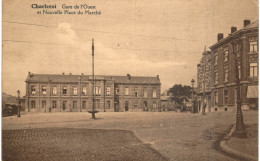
x,y
57,93
167,104
224,79
204,77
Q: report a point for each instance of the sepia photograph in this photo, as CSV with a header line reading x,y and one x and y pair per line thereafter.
x,y
130,80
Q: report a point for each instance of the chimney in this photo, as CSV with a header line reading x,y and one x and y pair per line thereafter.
x,y
220,36
29,73
63,73
246,22
158,77
70,73
233,29
128,76
82,74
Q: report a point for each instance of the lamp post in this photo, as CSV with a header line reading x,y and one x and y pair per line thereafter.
x,y
204,95
50,95
19,104
93,82
192,96
240,131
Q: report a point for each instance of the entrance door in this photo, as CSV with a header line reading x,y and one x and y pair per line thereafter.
x,y
116,106
126,105
145,106
64,105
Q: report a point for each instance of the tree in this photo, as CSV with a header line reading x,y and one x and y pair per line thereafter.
x,y
179,93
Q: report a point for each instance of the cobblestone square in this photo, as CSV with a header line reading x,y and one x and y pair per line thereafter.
x,y
68,144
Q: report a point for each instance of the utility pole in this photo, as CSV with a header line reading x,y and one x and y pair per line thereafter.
x,y
240,131
93,81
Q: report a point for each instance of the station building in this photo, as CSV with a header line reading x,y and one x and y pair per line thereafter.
x,y
74,93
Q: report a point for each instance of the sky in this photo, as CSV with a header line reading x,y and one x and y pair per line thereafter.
x,y
140,38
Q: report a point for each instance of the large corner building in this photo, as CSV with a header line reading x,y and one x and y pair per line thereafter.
x,y
218,70
58,93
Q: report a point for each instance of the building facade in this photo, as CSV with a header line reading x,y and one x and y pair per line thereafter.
x,y
57,93
204,81
241,45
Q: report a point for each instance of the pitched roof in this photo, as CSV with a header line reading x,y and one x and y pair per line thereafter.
x,y
75,78
253,25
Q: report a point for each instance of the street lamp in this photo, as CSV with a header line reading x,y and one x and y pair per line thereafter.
x,y
192,95
19,104
240,126
50,94
204,95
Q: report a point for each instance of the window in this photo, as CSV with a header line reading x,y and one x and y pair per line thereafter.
x,y
108,104
154,105
226,96
32,104
135,92
43,104
199,85
145,103
74,104
84,105
253,46
64,90
226,75
54,90
117,90
97,103
135,105
64,104
126,91
226,55
239,72
154,92
145,92
216,77
44,90
54,104
216,98
216,60
33,89
98,91
84,90
75,90
253,70
208,83
108,91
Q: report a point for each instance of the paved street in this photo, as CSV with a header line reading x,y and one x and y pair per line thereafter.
x,y
69,144
177,136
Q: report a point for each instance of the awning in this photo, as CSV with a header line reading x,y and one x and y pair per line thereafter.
x,y
252,92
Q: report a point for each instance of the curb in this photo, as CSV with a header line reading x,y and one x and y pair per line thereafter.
x,y
224,147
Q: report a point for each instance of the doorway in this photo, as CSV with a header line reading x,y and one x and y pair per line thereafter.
x,y
145,106
64,105
126,105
